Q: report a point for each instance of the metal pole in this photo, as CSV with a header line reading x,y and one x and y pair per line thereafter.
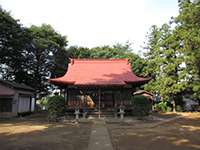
x,y
99,103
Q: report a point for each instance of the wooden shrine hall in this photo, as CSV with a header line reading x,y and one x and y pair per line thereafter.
x,y
99,83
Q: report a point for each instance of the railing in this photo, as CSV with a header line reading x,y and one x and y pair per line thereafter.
x,y
104,104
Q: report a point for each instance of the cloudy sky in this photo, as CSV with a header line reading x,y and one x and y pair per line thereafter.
x,y
95,22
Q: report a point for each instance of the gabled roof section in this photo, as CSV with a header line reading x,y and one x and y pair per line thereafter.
x,y
15,85
99,72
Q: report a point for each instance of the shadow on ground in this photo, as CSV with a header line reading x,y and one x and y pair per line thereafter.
x,y
34,133
180,134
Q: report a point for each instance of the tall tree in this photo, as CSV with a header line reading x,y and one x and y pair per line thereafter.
x,y
50,56
14,47
174,53
165,63
188,30
31,55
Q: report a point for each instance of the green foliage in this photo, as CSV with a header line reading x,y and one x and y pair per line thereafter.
x,y
115,51
179,101
14,49
31,55
179,108
56,106
50,56
162,107
188,23
141,106
173,57
164,63
43,101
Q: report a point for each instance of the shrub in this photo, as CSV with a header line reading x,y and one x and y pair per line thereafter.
x,y
43,102
141,106
162,107
179,108
55,107
179,101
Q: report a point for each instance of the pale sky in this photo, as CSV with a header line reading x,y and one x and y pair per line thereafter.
x,y
93,23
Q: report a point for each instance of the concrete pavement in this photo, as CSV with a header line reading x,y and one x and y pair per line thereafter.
x,y
99,138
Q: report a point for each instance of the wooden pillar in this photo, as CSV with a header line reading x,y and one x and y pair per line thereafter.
x,y
113,98
120,96
99,102
66,96
84,99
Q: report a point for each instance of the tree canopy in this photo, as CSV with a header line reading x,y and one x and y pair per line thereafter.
x,y
173,53
188,31
49,55
14,46
31,55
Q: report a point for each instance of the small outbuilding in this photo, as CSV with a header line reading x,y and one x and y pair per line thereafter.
x,y
15,99
146,94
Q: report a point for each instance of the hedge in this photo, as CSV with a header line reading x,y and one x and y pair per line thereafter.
x,y
56,106
141,106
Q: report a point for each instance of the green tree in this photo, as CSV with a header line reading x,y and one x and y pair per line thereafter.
x,y
141,106
56,107
188,30
50,56
14,49
174,53
31,55
165,63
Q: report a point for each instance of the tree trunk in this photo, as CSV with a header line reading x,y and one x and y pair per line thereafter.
x,y
174,105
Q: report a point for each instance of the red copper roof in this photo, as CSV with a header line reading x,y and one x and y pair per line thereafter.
x,y
98,72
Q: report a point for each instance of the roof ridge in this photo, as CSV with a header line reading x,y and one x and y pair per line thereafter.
x,y
15,84
101,59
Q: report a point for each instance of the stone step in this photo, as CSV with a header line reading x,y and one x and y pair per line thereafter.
x,y
102,112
